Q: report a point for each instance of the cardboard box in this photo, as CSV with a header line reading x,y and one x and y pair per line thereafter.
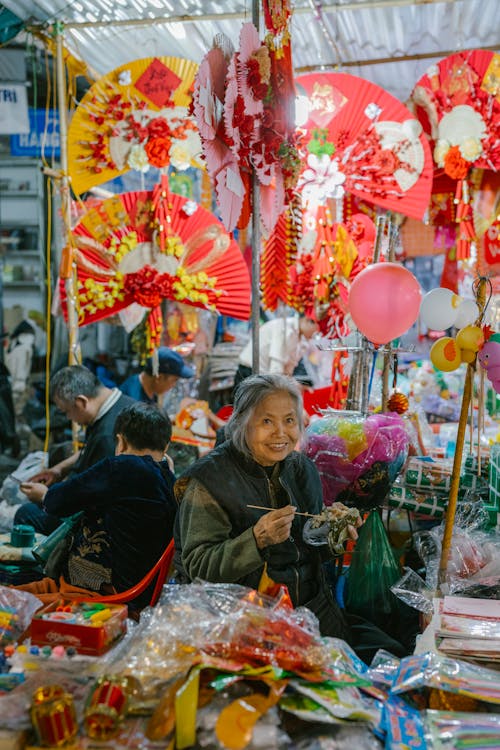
x,y
60,625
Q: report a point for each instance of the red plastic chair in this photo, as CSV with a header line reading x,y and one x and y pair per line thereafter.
x,y
158,572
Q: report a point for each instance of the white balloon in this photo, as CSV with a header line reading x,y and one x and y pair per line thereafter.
x,y
468,313
439,309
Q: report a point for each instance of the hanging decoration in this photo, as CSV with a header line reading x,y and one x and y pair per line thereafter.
x,y
277,259
134,117
140,248
332,254
244,126
359,139
457,102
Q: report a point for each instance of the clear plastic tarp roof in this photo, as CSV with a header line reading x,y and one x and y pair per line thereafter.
x,y
389,42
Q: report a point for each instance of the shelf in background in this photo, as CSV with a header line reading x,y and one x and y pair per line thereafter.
x,y
18,194
17,284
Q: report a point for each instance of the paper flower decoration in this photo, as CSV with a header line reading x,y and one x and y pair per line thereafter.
x,y
376,148
133,118
458,105
144,247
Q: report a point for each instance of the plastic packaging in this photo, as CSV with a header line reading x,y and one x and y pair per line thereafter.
x,y
446,729
333,527
16,610
357,457
432,670
414,592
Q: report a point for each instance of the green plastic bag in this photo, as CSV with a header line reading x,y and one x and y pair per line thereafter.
x,y
372,572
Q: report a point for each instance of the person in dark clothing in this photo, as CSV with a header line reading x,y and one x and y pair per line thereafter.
x,y
128,510
78,393
149,385
221,538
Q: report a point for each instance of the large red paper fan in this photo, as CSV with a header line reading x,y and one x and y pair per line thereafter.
x,y
378,145
119,258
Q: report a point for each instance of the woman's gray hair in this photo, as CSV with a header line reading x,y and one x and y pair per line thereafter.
x,y
249,395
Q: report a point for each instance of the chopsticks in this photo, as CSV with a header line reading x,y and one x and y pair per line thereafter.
x,y
297,513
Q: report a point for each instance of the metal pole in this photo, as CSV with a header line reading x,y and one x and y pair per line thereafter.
x,y
255,241
66,270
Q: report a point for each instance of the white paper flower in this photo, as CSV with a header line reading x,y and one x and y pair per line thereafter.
x,y
322,179
125,78
138,159
470,148
440,150
372,111
189,208
462,122
180,156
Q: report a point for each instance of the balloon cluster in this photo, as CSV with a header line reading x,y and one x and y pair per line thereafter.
x,y
441,309
384,301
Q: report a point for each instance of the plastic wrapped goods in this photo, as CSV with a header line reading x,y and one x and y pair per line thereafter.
x,y
357,457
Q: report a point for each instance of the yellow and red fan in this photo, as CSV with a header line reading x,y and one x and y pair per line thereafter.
x,y
143,247
362,140
134,117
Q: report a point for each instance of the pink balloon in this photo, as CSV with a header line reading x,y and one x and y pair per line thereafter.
x,y
384,301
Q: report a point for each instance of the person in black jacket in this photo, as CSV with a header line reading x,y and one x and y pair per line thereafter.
x,y
78,393
220,535
128,510
223,539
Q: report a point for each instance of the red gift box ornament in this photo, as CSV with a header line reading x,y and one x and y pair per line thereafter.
x,y
106,708
53,716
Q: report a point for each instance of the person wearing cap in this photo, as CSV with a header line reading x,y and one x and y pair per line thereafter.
x,y
148,387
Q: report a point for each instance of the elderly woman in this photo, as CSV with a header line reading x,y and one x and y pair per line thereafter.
x,y
223,539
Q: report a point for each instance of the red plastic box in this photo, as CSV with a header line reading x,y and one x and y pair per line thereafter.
x,y
52,628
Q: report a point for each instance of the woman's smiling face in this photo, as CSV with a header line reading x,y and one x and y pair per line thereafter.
x,y
273,430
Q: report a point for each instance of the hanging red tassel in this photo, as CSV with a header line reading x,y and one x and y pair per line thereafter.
x,y
154,329
464,219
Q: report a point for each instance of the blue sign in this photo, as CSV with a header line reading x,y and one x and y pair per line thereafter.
x,y
43,138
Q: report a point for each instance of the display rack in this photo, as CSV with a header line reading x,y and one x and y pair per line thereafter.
x,y
22,234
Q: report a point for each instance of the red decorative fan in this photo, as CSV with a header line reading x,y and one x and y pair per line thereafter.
x,y
143,247
457,101
362,140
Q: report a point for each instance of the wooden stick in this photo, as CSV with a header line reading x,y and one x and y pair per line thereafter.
x,y
264,507
451,507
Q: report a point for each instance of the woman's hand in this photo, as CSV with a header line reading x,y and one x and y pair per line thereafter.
x,y
35,491
274,527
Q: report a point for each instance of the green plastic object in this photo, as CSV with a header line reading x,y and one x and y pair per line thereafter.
x,y
373,570
22,535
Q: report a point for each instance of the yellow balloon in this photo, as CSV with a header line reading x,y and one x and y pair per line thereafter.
x,y
471,338
445,354
468,356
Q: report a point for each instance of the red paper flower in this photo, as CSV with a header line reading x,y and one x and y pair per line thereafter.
x,y
386,162
157,150
149,287
455,165
158,128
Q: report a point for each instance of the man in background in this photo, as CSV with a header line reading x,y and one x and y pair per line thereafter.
x,y
82,397
282,342
149,386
